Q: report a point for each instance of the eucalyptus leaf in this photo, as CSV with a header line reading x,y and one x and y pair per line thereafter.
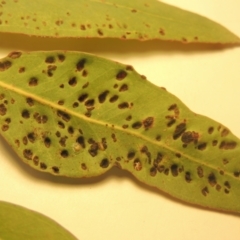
x,y
138,19
78,115
17,223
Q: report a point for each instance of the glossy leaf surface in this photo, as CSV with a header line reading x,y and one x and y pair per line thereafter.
x,y
18,223
78,115
138,19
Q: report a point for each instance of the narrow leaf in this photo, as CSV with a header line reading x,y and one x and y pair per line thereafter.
x,y
78,115
138,19
20,223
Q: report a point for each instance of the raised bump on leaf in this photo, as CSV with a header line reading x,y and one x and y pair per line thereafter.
x,y
113,19
193,158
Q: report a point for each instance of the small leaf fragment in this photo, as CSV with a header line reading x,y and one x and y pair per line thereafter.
x,y
84,127
17,222
138,19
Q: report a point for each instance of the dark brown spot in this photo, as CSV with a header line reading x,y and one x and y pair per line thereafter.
x,y
61,124
174,170
210,130
123,88
166,171
190,136
36,160
70,130
31,137
82,27
171,122
5,65
61,85
61,57
72,81
5,127
123,105
25,114
102,97
202,146
131,155
227,145
64,153
27,153
136,125
113,99
89,103
178,155
50,59
55,169
80,65
227,184
61,102
214,142
84,74
200,172
63,115
148,122
43,166
25,140
188,177
33,82
83,97
158,138
160,168
30,102
114,137
179,130
153,171
51,69
62,141
129,118
205,191
137,164
14,55
224,132
100,32
157,160
104,163
75,105
218,187
121,75
226,191
236,173
47,142
80,140
161,31
172,107
3,110
21,69
93,150
212,179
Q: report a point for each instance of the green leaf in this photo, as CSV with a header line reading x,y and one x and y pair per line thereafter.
x,y
20,223
78,115
138,19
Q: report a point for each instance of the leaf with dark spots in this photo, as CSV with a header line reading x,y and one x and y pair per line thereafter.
x,y
122,19
99,127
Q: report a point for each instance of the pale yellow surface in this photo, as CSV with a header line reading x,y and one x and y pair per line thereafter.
x,y
115,206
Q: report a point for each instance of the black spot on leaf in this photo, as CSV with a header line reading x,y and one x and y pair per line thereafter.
x,y
121,75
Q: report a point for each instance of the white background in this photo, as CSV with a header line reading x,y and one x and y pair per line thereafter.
x,y
116,206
